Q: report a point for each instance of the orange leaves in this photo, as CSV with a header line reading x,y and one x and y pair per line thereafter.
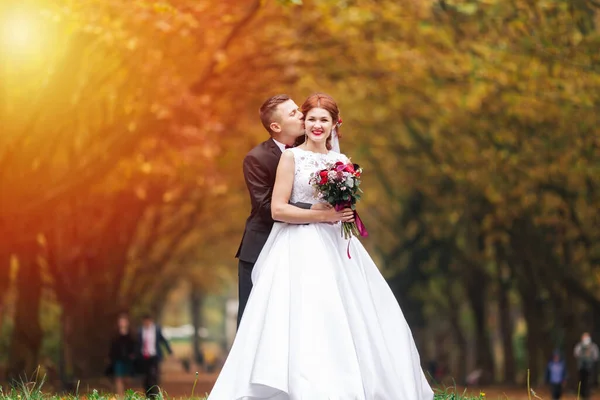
x,y
496,98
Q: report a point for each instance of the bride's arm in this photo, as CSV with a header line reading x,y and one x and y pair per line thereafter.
x,y
282,211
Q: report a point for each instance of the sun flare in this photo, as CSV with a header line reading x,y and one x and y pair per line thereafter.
x,y
21,34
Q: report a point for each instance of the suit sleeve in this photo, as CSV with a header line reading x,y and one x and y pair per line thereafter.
x,y
306,206
165,342
259,186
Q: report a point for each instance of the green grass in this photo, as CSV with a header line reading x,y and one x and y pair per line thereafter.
x,y
451,394
17,394
28,394
34,391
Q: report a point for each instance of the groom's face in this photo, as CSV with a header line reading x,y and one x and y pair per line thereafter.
x,y
288,119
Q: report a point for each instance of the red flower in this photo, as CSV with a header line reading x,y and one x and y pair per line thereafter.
x,y
349,168
323,175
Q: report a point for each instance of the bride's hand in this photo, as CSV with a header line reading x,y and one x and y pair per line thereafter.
x,y
333,216
348,215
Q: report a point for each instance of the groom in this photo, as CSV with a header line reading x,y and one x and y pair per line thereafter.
x,y
282,118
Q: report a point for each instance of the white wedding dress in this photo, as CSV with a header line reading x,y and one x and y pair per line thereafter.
x,y
320,326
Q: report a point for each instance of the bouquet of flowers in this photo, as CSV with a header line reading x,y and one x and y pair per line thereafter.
x,y
339,184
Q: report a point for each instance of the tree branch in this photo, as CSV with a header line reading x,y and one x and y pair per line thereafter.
x,y
198,86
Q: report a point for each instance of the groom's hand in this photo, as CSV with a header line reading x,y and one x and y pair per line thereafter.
x,y
321,206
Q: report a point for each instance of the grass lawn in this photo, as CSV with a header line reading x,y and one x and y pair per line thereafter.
x,y
34,391
19,394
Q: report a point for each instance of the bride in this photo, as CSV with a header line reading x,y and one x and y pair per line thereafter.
x,y
318,325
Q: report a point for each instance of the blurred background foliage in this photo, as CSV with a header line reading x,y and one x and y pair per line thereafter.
x,y
124,125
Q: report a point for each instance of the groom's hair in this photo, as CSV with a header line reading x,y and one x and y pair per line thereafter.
x,y
268,108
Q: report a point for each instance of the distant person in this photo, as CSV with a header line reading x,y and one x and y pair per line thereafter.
x,y
474,376
586,354
122,354
150,339
556,375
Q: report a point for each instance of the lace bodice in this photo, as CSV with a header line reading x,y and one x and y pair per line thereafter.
x,y
308,162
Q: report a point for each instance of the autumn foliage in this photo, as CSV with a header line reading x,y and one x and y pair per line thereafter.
x,y
476,123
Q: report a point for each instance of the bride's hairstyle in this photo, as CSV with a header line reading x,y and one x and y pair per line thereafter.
x,y
268,108
326,102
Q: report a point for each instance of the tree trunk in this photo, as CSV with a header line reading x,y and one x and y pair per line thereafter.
x,y
5,254
530,312
92,335
506,328
196,310
27,332
532,264
88,327
539,345
572,337
459,367
4,279
65,362
476,293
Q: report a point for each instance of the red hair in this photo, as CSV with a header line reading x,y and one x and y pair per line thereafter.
x,y
326,102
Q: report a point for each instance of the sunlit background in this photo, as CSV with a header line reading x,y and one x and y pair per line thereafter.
x,y
123,125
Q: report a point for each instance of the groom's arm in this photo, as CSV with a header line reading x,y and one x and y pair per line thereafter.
x,y
257,180
306,206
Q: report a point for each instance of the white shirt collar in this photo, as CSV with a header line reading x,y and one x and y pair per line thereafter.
x,y
149,340
280,145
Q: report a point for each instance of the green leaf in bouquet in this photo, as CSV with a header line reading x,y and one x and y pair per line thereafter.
x,y
330,199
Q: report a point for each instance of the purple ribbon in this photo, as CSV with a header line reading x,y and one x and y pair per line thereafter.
x,y
359,224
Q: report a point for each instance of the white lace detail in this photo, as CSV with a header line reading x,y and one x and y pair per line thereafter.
x,y
308,162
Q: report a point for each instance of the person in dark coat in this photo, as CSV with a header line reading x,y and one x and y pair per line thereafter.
x,y
122,354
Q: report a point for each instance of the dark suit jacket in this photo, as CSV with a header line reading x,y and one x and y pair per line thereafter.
x,y
260,168
160,339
